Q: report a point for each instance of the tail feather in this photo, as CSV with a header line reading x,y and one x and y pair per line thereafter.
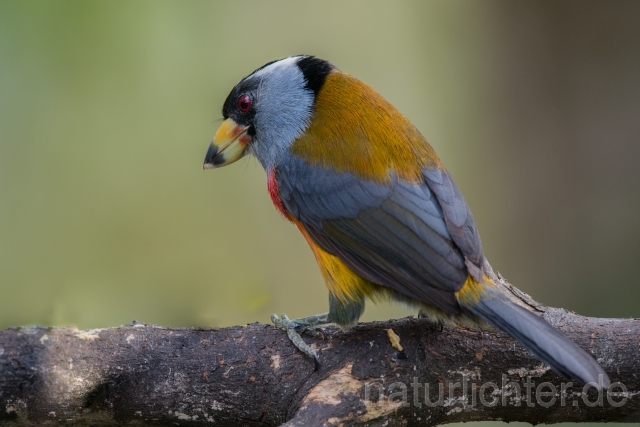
x,y
548,344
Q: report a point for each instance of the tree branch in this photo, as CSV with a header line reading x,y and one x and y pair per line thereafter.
x,y
251,375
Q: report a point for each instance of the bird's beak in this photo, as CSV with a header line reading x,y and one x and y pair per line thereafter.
x,y
228,145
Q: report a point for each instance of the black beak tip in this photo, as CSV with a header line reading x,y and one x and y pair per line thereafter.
x,y
209,158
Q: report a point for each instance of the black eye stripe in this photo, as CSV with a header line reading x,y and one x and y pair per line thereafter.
x,y
247,86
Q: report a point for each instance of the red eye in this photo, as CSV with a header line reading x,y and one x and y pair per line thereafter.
x,y
244,103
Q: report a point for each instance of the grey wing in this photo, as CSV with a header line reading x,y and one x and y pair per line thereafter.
x,y
395,235
458,218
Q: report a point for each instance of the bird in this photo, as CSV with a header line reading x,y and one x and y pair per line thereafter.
x,y
380,212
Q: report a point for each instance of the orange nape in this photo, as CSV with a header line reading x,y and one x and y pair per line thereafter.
x,y
369,142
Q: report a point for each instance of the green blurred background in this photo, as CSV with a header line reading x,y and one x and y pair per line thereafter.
x,y
107,108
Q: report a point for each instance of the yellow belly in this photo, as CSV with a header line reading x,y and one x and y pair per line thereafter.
x,y
348,286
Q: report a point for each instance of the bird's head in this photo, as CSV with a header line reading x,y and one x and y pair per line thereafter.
x,y
304,106
267,111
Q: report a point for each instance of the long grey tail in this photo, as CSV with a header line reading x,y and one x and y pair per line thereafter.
x,y
548,344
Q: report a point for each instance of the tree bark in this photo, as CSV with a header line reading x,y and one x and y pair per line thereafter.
x,y
252,375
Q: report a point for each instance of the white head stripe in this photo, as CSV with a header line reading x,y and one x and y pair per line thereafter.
x,y
278,64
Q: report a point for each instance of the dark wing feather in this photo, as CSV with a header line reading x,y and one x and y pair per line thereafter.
x,y
396,235
458,219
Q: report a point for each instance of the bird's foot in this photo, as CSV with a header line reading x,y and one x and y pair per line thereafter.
x,y
296,327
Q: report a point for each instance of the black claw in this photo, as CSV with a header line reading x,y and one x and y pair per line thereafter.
x,y
316,362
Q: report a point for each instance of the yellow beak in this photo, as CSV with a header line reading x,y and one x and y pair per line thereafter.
x,y
228,145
